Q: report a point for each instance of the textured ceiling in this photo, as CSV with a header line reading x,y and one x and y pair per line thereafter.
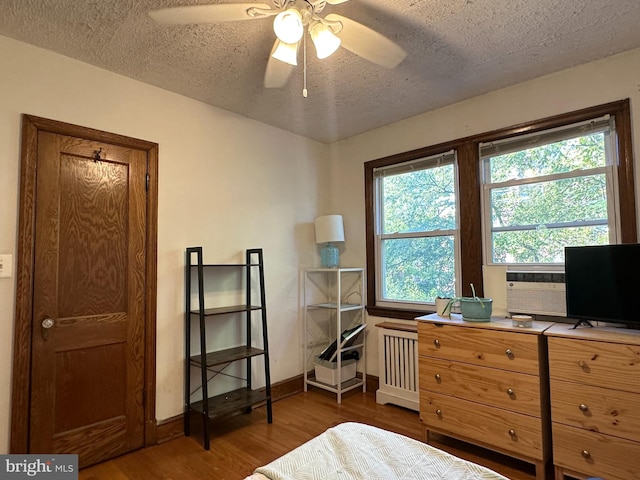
x,y
457,49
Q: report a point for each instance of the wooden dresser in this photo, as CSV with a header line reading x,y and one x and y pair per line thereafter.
x,y
595,401
487,384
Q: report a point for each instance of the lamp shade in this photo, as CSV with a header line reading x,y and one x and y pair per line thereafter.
x,y
286,52
288,26
329,228
324,40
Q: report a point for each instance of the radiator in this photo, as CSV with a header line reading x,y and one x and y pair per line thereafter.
x,y
398,365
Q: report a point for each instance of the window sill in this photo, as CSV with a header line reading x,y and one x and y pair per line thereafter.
x,y
398,313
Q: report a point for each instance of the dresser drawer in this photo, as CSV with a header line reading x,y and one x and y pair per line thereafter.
x,y
519,392
521,434
597,409
491,348
595,454
607,365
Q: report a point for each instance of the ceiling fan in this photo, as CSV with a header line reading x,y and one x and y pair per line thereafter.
x,y
292,18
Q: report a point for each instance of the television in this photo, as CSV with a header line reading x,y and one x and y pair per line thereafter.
x,y
603,283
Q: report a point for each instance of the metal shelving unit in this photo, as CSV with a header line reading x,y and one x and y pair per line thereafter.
x,y
212,362
334,302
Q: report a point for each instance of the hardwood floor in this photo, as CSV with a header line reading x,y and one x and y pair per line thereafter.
x,y
244,442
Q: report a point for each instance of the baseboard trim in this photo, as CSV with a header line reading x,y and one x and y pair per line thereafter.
x,y
170,429
373,383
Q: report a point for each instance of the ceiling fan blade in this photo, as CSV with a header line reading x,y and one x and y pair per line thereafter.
x,y
277,73
221,12
368,43
336,2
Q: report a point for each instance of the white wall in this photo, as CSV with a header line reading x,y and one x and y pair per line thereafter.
x,y
614,78
225,182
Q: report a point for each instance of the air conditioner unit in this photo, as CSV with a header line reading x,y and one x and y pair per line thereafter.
x,y
540,293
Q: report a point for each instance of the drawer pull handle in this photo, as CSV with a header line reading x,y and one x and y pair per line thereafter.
x,y
584,408
512,433
510,392
438,379
586,454
436,342
509,353
439,412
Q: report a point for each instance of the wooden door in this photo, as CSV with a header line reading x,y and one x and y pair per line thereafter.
x,y
90,300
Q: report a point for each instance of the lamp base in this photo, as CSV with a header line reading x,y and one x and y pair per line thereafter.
x,y
329,256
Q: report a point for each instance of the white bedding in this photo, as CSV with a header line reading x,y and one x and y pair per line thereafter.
x,y
354,451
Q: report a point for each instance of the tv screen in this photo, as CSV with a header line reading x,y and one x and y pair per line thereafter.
x,y
602,283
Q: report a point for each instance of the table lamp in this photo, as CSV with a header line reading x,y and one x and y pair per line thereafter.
x,y
329,229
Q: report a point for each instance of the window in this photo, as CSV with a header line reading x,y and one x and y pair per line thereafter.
x,y
556,181
416,230
549,190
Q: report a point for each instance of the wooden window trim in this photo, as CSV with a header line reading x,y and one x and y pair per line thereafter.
x,y
470,193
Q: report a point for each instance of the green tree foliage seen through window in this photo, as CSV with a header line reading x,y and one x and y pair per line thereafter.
x,y
567,204
418,250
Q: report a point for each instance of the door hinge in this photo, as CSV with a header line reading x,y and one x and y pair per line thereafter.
x,y
148,180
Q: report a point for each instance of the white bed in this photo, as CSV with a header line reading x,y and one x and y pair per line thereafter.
x,y
354,451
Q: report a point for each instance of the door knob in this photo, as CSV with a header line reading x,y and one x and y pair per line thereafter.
x,y
47,323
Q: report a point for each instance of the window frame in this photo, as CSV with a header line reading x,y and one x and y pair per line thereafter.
x,y
470,193
532,140
424,163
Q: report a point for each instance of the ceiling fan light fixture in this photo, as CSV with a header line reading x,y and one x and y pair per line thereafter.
x,y
325,41
286,52
288,26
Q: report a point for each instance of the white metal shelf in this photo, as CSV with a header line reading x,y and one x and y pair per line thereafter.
x,y
329,311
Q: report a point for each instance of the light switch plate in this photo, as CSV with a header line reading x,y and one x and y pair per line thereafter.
x,y
6,265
